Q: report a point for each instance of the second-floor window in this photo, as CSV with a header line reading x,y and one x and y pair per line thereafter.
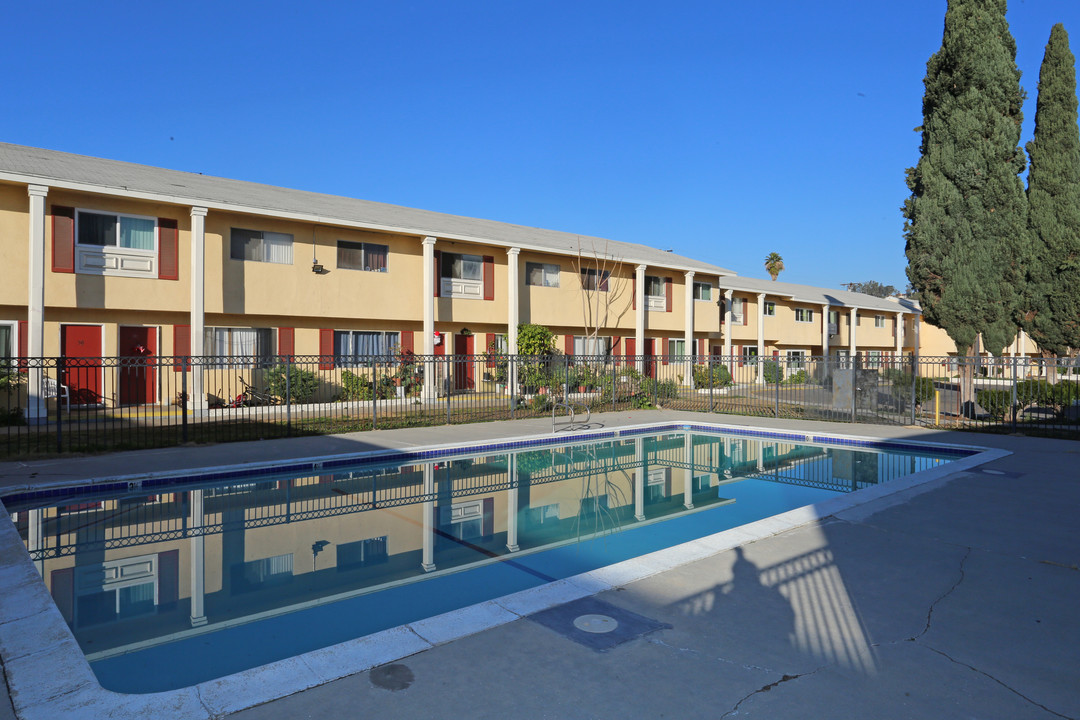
x,y
804,315
362,256
261,246
770,308
112,230
879,321
738,311
595,279
703,291
542,274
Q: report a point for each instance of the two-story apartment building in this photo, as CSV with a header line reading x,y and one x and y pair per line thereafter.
x,y
106,258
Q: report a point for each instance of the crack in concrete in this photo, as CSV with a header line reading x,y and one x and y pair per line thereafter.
x,y
691,651
947,593
766,688
999,682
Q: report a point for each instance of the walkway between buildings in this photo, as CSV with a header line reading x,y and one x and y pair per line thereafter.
x,y
953,599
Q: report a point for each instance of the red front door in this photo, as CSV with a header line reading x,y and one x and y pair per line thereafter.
x,y
463,363
80,346
138,378
650,352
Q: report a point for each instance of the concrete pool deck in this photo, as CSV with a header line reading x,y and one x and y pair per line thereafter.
x,y
956,597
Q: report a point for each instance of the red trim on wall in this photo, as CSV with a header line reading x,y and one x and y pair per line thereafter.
x,y
631,347
286,341
63,245
407,341
168,249
665,349
668,285
489,277
181,344
326,348
633,293
737,349
568,345
438,277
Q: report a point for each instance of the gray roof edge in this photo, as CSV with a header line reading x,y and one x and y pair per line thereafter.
x,y
816,295
196,193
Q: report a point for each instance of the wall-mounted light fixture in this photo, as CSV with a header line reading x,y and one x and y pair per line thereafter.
x,y
316,267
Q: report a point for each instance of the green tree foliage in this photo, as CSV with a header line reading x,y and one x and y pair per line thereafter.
x,y
1050,312
966,218
535,340
774,265
871,287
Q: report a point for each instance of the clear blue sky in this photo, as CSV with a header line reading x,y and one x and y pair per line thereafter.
x,y
722,130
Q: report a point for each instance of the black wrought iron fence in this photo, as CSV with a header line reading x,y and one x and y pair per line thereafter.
x,y
58,405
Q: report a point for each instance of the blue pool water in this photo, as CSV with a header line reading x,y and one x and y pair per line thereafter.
x,y
189,580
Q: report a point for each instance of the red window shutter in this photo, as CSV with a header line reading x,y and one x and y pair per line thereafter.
x,y
407,341
168,249
489,277
668,284
745,312
665,343
631,347
181,345
738,351
633,293
440,349
63,247
326,349
24,343
775,354
286,341
438,277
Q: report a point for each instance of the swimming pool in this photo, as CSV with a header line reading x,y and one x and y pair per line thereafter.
x,y
345,549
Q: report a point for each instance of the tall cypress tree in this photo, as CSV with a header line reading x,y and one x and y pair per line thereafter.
x,y
1050,312
966,218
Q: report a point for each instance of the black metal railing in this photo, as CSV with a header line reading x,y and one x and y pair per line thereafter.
x,y
60,405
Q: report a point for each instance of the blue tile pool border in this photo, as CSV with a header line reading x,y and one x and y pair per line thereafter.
x,y
222,474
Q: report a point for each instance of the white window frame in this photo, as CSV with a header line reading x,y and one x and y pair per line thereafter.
x,y
600,345
458,286
365,267
92,259
597,280
795,360
708,291
355,360
804,315
115,575
879,321
549,274
281,240
656,302
264,347
770,308
738,310
674,355
461,518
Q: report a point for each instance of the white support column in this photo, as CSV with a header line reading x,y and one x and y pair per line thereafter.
x,y
729,322
198,559
428,560
688,471
825,330
197,395
853,325
915,323
639,329
513,312
688,331
35,538
512,505
761,337
641,476
36,411
899,334
428,303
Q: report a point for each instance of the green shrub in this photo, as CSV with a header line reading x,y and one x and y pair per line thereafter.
x,y
771,372
721,376
996,402
797,378
540,403
302,383
901,386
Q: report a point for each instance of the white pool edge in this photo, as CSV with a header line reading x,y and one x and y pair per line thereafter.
x,y
48,675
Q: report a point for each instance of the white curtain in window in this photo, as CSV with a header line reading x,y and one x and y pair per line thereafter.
x,y
244,342
277,248
137,233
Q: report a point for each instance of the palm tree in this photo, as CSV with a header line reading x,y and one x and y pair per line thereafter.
x,y
774,264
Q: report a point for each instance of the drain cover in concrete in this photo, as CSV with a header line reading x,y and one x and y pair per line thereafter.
x,y
596,624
